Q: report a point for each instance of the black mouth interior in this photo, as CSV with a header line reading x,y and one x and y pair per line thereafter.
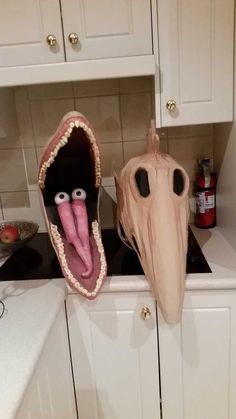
x,y
73,167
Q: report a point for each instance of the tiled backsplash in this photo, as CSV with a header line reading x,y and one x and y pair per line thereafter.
x,y
119,110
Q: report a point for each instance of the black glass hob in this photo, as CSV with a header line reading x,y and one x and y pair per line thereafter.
x,y
38,260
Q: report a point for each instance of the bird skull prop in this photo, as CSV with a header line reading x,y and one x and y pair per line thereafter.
x,y
69,181
152,209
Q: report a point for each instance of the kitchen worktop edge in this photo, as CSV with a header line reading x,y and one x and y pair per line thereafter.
x,y
30,311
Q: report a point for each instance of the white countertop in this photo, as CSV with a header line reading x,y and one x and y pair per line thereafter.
x,y
30,310
32,306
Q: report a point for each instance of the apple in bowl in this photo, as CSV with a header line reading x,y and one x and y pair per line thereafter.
x,y
9,234
15,234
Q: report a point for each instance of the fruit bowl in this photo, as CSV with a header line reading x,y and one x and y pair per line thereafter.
x,y
26,230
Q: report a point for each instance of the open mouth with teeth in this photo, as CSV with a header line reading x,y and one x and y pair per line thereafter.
x,y
69,181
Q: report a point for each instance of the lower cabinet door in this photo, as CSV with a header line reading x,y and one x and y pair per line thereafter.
x,y
198,358
50,393
115,356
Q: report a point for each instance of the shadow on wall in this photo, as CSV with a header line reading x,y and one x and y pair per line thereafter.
x,y
8,118
100,401
224,154
221,135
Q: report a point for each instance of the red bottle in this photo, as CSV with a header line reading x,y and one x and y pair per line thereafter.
x,y
205,193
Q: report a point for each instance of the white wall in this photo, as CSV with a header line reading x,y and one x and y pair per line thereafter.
x,y
225,164
224,151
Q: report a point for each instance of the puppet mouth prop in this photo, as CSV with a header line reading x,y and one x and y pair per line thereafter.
x,y
69,181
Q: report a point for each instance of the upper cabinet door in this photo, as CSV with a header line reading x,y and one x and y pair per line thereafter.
x,y
106,28
24,28
196,60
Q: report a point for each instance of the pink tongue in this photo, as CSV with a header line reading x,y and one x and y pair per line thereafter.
x,y
74,220
80,212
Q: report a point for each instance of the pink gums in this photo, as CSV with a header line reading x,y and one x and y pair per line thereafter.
x,y
74,220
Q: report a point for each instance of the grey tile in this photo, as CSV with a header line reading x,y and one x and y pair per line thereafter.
x,y
136,84
104,114
96,88
23,205
51,91
136,113
46,116
12,171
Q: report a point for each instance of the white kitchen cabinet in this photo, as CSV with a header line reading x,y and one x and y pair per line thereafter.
x,y
99,28
197,358
24,27
50,393
196,61
115,356
107,28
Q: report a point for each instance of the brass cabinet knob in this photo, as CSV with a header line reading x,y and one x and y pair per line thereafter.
x,y
73,38
171,105
146,313
51,40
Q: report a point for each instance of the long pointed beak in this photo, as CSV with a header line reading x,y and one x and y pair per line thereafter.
x,y
74,220
163,248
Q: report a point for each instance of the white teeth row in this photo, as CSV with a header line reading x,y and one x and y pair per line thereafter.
x,y
62,142
61,253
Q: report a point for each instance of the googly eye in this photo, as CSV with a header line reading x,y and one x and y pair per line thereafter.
x,y
61,197
79,194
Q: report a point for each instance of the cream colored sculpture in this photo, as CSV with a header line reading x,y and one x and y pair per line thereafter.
x,y
152,205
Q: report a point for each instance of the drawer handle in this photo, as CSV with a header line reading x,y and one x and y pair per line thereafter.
x,y
51,40
73,38
146,313
171,105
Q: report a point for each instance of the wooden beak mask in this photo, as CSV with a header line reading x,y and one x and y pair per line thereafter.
x,y
152,209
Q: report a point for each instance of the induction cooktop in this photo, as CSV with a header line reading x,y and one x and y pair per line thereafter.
x,y
38,260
